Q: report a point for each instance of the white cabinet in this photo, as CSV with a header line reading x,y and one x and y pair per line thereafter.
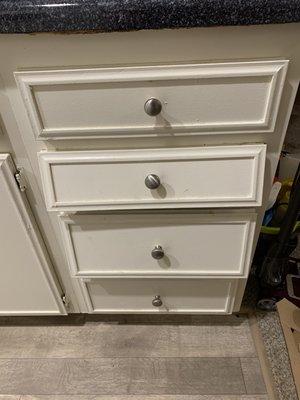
x,y
27,285
77,122
175,221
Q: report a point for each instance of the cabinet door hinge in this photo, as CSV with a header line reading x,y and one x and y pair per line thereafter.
x,y
65,300
20,179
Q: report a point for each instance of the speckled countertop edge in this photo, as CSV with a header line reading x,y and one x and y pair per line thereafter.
x,y
29,16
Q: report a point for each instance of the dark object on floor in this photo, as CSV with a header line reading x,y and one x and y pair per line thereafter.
x,y
276,263
288,289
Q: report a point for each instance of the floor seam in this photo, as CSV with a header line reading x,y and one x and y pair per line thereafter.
x,y
120,358
243,376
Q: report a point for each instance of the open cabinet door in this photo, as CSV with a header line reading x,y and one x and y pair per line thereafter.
x,y
27,284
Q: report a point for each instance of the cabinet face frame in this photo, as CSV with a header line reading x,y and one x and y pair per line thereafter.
x,y
228,306
26,220
274,70
256,153
247,220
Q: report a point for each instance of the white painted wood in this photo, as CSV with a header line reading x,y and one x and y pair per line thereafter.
x,y
168,47
178,296
14,144
223,176
27,286
119,245
214,98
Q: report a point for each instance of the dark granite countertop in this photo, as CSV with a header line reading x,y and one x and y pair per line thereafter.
x,y
26,16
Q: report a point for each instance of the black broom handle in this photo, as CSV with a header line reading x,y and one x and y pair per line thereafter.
x,y
291,215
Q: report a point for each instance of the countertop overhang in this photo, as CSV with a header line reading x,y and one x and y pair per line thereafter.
x,y
28,16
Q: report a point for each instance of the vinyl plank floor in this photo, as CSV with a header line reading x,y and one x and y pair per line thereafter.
x,y
11,397
155,397
122,376
221,337
252,376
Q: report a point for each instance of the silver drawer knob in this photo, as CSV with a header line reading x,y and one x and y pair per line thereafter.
x,y
157,253
157,302
152,181
153,107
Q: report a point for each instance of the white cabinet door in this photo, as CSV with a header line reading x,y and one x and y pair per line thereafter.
x,y
27,286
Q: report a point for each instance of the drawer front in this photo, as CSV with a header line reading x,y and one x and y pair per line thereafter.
x,y
220,176
194,99
161,245
177,295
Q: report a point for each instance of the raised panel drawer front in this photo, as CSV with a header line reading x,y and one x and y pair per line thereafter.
x,y
161,100
146,295
181,244
222,176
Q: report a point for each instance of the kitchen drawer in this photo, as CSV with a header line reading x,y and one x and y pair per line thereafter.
x,y
177,295
222,176
195,99
156,244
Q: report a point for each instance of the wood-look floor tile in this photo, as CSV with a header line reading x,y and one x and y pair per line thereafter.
x,y
10,397
122,376
155,397
93,340
252,376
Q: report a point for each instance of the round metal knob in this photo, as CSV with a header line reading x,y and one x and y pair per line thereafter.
x,y
157,302
152,181
153,107
157,253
